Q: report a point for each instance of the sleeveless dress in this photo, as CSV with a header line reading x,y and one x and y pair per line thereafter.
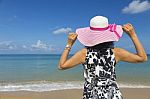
x,y
99,74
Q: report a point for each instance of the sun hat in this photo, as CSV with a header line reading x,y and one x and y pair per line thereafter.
x,y
99,31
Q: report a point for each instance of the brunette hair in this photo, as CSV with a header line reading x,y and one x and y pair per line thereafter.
x,y
102,45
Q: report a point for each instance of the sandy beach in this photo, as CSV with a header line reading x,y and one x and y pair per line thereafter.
x,y
128,93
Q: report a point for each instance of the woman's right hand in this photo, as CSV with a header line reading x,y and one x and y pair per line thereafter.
x,y
128,28
71,38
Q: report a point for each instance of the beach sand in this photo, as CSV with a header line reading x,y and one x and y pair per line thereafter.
x,y
128,93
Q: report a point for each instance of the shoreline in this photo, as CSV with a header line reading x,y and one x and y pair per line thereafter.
x,y
44,86
128,93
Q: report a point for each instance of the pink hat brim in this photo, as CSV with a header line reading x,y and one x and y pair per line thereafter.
x,y
90,37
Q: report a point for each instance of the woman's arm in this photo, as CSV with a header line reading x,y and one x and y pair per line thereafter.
x,y
124,55
75,59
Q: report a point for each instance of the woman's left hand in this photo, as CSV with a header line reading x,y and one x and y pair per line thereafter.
x,y
129,29
71,38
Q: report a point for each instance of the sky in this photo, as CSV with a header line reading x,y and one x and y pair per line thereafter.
x,y
42,26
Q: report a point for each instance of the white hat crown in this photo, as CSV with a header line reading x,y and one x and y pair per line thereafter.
x,y
99,22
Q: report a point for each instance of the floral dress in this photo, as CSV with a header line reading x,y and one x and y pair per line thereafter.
x,y
99,74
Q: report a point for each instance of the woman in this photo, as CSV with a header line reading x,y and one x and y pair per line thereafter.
x,y
99,56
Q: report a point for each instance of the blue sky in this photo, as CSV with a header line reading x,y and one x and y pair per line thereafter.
x,y
41,26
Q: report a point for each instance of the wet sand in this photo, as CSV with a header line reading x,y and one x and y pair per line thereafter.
x,y
128,93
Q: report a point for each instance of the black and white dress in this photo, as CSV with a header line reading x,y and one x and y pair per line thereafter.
x,y
99,74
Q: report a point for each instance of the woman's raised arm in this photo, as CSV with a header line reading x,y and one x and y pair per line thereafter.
x,y
124,55
76,59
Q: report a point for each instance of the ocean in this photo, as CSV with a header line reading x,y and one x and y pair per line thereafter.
x,y
39,72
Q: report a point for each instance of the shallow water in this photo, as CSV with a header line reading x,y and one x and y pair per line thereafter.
x,y
40,73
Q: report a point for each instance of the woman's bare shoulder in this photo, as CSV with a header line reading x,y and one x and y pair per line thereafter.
x,y
83,54
84,50
117,49
118,52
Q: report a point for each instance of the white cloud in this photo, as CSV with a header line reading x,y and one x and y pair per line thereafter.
x,y
44,47
62,30
39,45
53,48
7,45
137,7
24,46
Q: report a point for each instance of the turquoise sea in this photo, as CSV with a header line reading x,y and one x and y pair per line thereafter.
x,y
39,72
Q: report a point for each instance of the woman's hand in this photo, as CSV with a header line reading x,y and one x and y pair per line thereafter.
x,y
71,38
128,28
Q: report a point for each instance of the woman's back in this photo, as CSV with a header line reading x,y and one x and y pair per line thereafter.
x,y
99,74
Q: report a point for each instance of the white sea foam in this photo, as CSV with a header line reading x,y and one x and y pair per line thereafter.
x,y
126,85
50,86
41,86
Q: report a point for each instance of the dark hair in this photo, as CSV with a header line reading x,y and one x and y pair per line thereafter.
x,y
102,45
